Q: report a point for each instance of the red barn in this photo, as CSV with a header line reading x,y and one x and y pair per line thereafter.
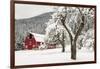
x,y
34,41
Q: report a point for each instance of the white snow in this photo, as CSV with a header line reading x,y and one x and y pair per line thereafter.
x,y
47,56
38,37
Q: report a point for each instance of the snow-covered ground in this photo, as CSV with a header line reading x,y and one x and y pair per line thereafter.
x,y
29,57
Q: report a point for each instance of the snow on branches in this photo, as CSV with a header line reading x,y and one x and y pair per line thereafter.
x,y
73,22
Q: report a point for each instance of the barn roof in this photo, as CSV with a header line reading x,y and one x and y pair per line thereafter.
x,y
38,37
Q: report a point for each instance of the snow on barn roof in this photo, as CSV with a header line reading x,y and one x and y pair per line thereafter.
x,y
38,37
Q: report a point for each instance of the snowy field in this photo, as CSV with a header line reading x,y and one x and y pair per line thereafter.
x,y
29,57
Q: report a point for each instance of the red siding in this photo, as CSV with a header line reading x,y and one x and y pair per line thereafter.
x,y
30,43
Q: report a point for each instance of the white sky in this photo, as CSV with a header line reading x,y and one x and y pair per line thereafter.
x,y
29,10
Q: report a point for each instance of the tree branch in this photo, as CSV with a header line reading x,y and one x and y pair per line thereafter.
x,y
80,29
80,11
63,20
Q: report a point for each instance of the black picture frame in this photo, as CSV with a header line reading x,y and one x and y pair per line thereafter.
x,y
12,34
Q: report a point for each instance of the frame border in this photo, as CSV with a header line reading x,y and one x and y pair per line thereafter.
x,y
12,34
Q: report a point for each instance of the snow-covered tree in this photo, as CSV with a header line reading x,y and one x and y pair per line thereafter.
x,y
55,32
76,21
88,40
79,18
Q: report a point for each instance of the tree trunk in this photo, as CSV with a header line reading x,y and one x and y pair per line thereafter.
x,y
63,43
63,48
73,50
73,42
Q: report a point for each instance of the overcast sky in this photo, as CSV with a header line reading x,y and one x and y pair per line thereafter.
x,y
27,10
